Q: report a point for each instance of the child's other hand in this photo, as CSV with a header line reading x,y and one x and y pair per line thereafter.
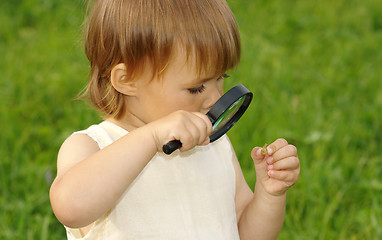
x,y
190,128
279,169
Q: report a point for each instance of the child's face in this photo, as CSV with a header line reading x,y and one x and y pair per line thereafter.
x,y
180,88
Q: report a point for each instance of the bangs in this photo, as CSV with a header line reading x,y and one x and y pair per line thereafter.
x,y
209,36
205,29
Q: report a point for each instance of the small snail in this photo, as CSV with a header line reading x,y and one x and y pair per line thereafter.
x,y
264,150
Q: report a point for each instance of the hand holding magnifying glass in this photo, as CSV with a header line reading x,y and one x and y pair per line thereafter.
x,y
223,114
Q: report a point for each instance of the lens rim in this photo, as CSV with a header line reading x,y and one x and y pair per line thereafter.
x,y
224,103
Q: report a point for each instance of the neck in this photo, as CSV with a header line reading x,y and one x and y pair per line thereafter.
x,y
128,121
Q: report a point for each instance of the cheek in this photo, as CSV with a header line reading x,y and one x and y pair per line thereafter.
x,y
220,88
186,102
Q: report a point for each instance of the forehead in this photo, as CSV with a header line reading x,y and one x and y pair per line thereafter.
x,y
185,67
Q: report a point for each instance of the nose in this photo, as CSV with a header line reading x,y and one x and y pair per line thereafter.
x,y
213,97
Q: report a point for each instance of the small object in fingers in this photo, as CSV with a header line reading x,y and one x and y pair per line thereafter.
x,y
264,150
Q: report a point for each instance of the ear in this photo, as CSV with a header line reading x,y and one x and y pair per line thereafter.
x,y
120,82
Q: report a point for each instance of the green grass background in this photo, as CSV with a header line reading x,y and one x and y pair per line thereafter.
x,y
314,68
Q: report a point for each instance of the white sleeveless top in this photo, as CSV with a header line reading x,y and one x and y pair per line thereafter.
x,y
187,196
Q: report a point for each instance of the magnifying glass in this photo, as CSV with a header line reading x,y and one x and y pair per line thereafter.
x,y
223,114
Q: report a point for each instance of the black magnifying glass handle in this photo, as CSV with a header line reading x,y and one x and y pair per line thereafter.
x,y
171,146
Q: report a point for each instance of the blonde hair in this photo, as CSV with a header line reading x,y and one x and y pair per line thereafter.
x,y
137,32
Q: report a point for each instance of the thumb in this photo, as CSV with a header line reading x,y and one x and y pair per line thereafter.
x,y
261,165
257,156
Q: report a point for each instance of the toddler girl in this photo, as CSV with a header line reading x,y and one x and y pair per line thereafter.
x,y
157,66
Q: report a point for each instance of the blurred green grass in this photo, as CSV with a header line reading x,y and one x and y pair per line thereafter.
x,y
314,69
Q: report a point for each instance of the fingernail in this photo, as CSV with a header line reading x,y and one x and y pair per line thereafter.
x,y
270,160
258,151
270,167
270,150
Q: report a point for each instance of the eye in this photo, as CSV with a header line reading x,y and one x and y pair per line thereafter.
x,y
197,90
223,76
201,88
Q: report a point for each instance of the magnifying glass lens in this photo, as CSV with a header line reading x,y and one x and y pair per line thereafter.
x,y
227,115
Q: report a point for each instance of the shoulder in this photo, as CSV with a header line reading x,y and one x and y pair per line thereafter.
x,y
75,148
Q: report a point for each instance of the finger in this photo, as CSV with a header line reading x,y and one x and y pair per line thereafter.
x,y
206,142
186,139
276,145
256,155
285,176
205,126
260,164
196,131
289,163
206,120
285,152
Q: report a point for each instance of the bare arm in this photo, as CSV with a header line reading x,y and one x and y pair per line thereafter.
x,y
263,217
261,214
90,181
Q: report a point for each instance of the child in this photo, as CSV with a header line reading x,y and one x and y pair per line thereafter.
x,y
157,66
